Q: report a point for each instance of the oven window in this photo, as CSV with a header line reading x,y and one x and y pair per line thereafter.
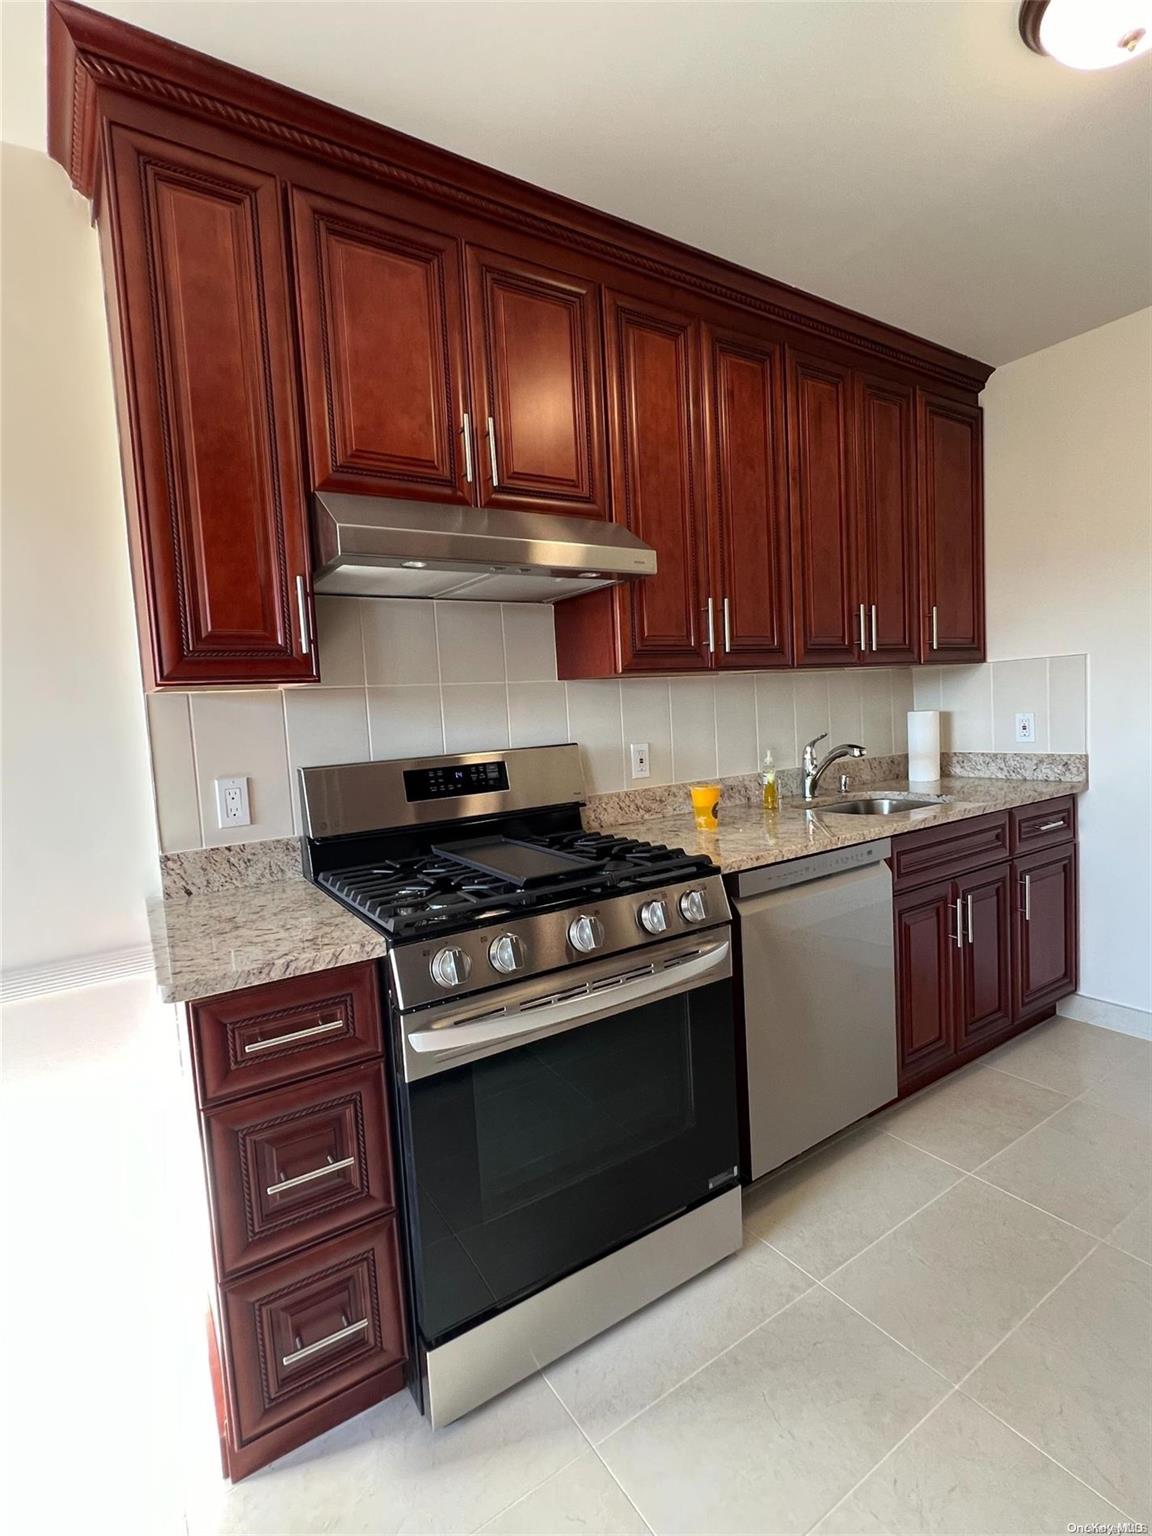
x,y
532,1163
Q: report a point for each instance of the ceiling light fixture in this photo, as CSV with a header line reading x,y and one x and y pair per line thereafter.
x,y
1087,34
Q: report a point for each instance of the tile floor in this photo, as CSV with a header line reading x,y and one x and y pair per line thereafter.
x,y
938,1323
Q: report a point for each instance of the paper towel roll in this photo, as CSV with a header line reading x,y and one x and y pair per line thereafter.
x,y
923,744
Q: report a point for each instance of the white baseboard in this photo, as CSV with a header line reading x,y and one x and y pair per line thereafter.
x,y
1094,1010
79,971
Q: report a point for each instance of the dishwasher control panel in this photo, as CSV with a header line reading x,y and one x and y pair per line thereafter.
x,y
814,866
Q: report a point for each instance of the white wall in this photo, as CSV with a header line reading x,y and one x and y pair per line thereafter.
x,y
1068,474
79,853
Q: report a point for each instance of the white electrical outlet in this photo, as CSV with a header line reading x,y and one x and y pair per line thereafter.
x,y
1026,726
232,803
640,764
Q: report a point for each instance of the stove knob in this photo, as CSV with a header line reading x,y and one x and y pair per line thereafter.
x,y
654,917
693,907
586,933
506,952
450,967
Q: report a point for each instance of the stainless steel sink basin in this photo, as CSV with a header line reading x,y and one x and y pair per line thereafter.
x,y
881,805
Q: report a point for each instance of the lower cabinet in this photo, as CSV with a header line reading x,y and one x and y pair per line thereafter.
x,y
985,952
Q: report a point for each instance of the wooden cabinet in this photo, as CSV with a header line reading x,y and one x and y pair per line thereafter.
x,y
537,386
382,345
1046,928
951,529
925,935
984,959
886,559
747,499
206,385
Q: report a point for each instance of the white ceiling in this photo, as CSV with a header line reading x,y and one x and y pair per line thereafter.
x,y
907,158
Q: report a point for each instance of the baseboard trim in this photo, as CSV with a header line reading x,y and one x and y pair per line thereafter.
x,y
77,971
1094,1010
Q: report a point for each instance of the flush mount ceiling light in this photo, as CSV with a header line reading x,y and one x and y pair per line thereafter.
x,y
1087,34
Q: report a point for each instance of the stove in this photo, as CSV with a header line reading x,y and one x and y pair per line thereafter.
x,y
563,1054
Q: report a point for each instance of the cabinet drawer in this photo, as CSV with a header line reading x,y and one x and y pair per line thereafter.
x,y
297,1165
261,1037
1043,825
940,852
299,1332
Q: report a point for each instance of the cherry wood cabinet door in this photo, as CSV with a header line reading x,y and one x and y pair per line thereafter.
x,y
827,618
925,943
202,337
652,381
382,337
984,961
952,529
748,498
886,519
1047,929
537,386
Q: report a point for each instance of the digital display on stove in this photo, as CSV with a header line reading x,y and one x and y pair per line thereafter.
x,y
464,779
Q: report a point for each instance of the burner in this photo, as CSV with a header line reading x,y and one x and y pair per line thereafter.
x,y
444,900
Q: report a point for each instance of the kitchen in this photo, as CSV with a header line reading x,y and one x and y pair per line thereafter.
x,y
469,528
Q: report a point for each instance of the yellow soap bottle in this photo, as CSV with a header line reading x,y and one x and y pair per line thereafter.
x,y
768,780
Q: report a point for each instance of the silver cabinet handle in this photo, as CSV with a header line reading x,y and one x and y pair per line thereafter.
x,y
1026,882
333,1338
727,628
492,452
863,637
306,1178
302,610
935,628
711,627
1052,826
959,934
968,906
324,1028
875,646
466,431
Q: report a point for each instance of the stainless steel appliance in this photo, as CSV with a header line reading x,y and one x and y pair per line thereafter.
x,y
564,1053
816,953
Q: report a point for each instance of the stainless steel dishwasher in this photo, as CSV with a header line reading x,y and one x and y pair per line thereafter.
x,y
819,997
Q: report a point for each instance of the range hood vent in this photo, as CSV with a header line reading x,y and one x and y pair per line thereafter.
x,y
370,546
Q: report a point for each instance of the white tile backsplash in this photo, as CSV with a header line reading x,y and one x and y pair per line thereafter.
x,y
410,678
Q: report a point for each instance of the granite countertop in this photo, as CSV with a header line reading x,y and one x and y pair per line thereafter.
x,y
242,935
749,836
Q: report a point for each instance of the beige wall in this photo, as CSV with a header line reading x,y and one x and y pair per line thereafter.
x,y
1069,557
78,837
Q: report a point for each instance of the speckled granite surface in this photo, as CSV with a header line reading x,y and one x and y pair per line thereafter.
x,y
1014,765
201,871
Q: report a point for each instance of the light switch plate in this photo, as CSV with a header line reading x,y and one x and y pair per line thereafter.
x,y
232,808
641,767
1026,726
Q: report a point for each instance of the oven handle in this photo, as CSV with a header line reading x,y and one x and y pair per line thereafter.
x,y
679,976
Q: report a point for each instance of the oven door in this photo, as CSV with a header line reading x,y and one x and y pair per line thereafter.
x,y
555,1120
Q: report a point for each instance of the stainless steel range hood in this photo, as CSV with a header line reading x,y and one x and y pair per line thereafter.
x,y
370,546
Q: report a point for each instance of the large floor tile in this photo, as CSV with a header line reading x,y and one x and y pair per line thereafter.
x,y
1127,1091
825,1209
960,1472
1076,1378
1086,1165
616,1375
772,1433
389,1471
583,1498
972,1115
951,1282
1134,1233
1069,1056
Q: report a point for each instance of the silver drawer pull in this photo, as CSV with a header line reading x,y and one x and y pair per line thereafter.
x,y
1052,826
333,1338
1026,882
326,1028
306,1178
935,628
492,452
968,905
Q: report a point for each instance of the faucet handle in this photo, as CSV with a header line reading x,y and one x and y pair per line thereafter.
x,y
809,746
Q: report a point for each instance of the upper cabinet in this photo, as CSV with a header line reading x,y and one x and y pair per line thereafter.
x,y
206,392
952,529
887,576
535,344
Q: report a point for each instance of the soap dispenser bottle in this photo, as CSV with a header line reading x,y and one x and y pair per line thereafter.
x,y
768,781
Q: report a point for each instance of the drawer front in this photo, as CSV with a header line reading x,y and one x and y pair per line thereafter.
x,y
299,1332
1044,825
290,1167
938,853
261,1037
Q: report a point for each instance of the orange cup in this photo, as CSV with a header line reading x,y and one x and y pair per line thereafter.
x,y
705,805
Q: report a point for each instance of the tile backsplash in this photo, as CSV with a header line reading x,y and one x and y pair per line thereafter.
x,y
403,678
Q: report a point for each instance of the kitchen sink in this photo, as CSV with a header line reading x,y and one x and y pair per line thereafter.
x,y
881,805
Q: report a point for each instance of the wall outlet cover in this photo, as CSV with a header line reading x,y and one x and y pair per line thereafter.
x,y
232,808
1026,726
641,765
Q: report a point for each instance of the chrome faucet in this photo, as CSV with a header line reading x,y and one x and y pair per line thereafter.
x,y
814,771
